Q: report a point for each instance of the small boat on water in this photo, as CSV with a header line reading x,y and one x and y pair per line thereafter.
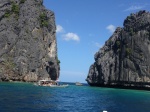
x,y
78,84
51,83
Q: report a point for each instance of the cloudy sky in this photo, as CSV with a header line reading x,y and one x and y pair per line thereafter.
x,y
83,26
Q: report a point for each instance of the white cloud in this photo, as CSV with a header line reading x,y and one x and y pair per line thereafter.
x,y
59,29
111,28
133,7
71,36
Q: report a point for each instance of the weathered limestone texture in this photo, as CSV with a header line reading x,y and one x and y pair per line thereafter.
x,y
28,47
124,60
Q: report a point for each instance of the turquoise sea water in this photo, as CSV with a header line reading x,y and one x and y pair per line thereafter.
x,y
26,97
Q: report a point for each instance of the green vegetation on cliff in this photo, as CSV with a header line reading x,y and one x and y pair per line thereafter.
x,y
43,20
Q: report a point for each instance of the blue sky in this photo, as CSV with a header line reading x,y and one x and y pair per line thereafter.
x,y
83,26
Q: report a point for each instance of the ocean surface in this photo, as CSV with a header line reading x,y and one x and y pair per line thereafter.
x,y
26,97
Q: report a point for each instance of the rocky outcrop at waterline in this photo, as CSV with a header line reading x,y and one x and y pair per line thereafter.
x,y
124,60
28,47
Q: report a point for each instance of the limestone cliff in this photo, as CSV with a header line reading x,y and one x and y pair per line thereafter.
x,y
124,60
28,47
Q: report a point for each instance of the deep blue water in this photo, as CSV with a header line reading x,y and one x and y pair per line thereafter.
x,y
25,97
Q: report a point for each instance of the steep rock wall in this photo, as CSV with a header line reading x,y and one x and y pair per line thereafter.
x,y
28,47
124,60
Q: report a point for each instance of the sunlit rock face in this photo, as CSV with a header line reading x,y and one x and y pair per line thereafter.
x,y
124,60
28,47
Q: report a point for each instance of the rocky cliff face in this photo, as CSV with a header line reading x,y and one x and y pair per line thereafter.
x,y
124,60
28,47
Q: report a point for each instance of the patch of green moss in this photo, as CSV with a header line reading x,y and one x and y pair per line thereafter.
x,y
7,14
58,61
128,51
131,32
43,20
128,17
118,43
44,23
15,8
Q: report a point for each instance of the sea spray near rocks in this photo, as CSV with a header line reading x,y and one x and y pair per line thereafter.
x,y
28,47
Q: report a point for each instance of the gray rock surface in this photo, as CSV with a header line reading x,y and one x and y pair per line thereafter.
x,y
28,47
124,60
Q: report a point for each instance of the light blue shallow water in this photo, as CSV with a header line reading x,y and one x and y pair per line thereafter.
x,y
25,97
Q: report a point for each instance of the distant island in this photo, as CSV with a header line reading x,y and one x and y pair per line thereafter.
x,y
28,47
124,60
